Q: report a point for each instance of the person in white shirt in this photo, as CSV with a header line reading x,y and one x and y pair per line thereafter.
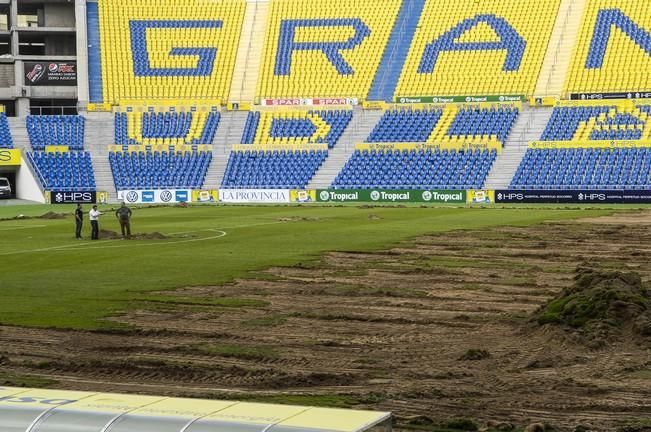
x,y
94,215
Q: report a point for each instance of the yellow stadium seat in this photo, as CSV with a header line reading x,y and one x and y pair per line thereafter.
x,y
457,67
616,62
155,49
308,73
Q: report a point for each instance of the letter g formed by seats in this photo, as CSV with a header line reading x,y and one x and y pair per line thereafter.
x,y
141,63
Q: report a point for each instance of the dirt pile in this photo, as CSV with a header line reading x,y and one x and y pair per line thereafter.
x,y
600,304
112,235
53,215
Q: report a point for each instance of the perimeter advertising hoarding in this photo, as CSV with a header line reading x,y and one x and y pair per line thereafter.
x,y
73,197
160,196
50,73
10,157
249,196
572,197
391,196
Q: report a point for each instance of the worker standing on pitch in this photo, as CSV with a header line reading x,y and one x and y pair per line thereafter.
x,y
124,216
94,215
79,221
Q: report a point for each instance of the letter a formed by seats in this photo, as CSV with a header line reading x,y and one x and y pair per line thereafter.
x,y
287,43
510,40
606,20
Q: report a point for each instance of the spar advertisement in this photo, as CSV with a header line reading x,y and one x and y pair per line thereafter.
x,y
310,102
50,73
160,196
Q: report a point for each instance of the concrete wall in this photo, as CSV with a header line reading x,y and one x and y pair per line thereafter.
x,y
58,45
59,15
7,77
27,186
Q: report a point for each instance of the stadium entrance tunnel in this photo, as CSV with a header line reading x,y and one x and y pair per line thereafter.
x,y
10,175
24,409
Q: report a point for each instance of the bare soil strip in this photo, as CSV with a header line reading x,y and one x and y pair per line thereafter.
x,y
397,324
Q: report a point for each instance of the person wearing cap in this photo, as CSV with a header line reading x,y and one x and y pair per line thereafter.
x,y
94,215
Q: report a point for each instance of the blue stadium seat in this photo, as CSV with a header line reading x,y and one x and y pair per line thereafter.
x,y
168,127
56,130
296,127
406,125
62,172
416,169
584,168
5,133
271,169
610,123
159,170
477,122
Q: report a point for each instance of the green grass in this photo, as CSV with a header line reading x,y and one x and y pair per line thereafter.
x,y
49,279
238,351
326,401
19,380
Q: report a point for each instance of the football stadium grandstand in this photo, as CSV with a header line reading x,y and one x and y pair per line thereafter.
x,y
306,101
314,94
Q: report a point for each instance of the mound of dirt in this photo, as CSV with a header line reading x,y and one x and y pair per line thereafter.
x,y
52,215
109,235
149,236
112,235
600,303
298,219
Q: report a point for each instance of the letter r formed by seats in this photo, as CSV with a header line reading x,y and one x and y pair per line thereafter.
x,y
287,43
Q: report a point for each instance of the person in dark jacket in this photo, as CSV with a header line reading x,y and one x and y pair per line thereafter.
x,y
79,221
124,216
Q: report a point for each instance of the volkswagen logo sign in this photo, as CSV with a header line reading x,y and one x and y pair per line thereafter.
x,y
132,196
166,196
427,196
324,195
375,195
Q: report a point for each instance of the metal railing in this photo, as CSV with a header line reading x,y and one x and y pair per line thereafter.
x,y
558,48
53,110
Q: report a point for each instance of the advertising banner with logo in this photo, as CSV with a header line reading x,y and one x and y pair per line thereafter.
x,y
392,196
249,196
302,196
205,196
50,73
10,157
460,99
159,196
481,196
609,96
573,197
76,197
310,102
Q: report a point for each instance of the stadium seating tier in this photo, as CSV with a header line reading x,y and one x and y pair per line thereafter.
x,y
613,50
469,47
320,48
166,49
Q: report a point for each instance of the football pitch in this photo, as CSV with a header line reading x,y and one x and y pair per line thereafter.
x,y
49,279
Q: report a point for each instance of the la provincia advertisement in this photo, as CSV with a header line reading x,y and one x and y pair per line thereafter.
x,y
159,196
248,196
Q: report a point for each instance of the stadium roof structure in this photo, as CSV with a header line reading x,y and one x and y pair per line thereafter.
x,y
32,410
